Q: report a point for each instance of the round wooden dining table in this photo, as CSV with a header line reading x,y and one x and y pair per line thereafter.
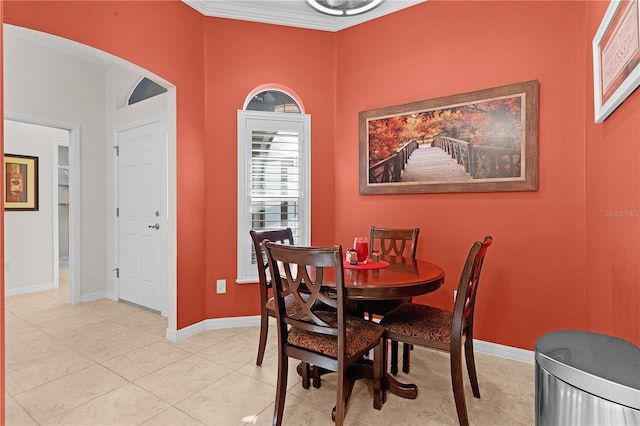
x,y
391,279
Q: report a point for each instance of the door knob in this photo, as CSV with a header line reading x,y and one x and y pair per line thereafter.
x,y
156,226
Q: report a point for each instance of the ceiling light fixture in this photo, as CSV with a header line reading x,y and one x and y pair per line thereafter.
x,y
344,7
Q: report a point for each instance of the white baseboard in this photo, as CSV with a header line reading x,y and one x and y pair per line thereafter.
x,y
92,296
480,346
509,352
211,324
97,296
177,335
28,289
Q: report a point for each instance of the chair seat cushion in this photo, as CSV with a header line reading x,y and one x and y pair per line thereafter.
x,y
290,304
419,321
361,335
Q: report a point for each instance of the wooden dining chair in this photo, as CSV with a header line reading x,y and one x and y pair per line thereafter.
x,y
399,243
324,336
267,303
394,242
444,330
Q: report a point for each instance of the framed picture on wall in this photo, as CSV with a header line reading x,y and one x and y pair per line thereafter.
x,y
21,182
482,141
616,57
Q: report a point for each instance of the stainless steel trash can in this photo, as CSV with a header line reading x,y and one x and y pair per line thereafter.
x,y
586,379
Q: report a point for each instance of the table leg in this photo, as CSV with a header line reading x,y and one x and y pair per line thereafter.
x,y
408,390
394,357
364,369
313,372
316,376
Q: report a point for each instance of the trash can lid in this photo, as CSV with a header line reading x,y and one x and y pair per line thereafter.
x,y
605,366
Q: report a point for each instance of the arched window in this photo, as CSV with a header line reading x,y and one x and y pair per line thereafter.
x,y
274,177
144,90
273,101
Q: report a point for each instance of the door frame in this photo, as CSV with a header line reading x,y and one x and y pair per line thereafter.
x,y
165,223
56,209
75,249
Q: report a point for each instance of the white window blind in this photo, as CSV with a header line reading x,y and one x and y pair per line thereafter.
x,y
273,180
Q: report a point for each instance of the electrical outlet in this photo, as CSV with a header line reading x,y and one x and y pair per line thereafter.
x,y
221,286
7,266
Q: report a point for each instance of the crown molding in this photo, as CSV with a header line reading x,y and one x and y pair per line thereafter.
x,y
292,13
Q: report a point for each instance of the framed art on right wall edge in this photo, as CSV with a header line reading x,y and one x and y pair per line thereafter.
x,y
616,57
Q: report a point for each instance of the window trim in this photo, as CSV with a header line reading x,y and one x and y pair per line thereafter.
x,y
244,244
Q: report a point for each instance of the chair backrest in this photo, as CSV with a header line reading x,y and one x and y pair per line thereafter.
x,y
284,236
394,242
304,270
464,305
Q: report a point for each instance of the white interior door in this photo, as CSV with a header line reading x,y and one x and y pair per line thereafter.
x,y
142,215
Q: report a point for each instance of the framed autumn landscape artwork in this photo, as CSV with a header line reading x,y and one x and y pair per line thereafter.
x,y
482,141
21,182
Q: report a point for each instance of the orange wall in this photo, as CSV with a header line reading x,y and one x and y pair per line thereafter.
x,y
240,57
534,276
535,279
165,37
214,64
613,184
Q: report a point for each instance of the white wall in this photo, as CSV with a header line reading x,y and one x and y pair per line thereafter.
x,y
72,84
120,82
48,84
29,235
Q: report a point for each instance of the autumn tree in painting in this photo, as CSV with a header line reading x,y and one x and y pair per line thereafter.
x,y
495,123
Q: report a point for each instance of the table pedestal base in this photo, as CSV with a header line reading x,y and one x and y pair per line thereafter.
x,y
404,390
362,370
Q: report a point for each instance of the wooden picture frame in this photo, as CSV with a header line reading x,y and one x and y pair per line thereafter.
x,y
21,182
616,57
482,141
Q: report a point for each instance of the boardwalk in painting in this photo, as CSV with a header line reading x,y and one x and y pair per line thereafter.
x,y
428,164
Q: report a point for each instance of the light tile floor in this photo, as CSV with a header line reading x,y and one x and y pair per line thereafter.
x,y
108,363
